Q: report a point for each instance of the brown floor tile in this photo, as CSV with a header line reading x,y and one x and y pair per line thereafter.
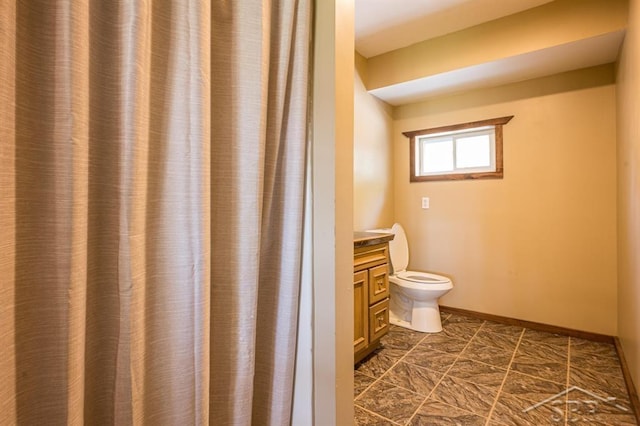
x,y
601,364
496,327
361,382
457,318
544,351
600,419
544,337
461,330
603,385
581,346
586,407
465,395
431,359
514,411
488,354
541,367
437,413
582,400
396,338
365,418
529,388
390,401
378,363
415,378
478,372
444,343
406,331
497,340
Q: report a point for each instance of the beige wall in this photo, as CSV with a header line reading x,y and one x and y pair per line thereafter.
x,y
540,244
373,157
629,194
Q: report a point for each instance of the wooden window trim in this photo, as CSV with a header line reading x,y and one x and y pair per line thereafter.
x,y
498,174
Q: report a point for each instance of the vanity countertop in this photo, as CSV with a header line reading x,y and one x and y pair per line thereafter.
x,y
362,239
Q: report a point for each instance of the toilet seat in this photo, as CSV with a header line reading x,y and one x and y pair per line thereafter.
x,y
421,280
422,277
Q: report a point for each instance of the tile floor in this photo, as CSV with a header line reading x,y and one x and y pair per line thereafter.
x,y
483,373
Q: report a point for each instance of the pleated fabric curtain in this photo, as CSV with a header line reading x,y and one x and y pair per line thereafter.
x,y
152,166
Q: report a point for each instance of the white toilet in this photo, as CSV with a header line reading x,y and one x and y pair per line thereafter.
x,y
414,295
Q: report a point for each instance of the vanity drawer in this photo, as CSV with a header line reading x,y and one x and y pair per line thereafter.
x,y
370,256
378,283
378,320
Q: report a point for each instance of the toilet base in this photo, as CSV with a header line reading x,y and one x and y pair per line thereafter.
x,y
423,317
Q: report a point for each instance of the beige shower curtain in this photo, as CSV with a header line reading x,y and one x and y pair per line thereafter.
x,y
151,203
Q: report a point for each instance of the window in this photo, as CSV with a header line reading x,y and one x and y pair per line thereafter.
x,y
462,151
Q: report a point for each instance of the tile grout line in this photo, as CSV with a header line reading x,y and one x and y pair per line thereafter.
x,y
445,373
429,394
392,365
566,396
425,337
399,360
513,356
376,380
366,389
379,416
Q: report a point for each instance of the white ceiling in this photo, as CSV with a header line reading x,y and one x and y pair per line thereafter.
x,y
385,25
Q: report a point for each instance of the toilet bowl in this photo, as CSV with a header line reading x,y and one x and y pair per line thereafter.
x,y
414,296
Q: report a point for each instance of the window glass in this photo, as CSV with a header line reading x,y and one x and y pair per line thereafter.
x,y
437,156
474,151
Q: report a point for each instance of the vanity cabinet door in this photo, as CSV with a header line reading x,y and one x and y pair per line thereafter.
x,y
361,311
378,320
378,283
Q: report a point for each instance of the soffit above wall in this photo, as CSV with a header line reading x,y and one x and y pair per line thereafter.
x,y
541,63
385,25
559,36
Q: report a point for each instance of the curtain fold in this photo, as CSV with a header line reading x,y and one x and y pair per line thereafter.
x,y
152,176
7,211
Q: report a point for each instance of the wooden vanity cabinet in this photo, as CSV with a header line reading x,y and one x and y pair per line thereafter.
x,y
370,292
